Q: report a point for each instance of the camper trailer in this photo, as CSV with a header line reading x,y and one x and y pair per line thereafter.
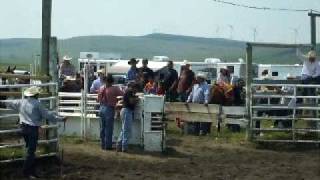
x,y
280,71
98,63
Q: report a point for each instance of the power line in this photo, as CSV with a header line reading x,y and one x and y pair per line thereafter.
x,y
263,8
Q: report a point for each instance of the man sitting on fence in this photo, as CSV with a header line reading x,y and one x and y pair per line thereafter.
x,y
31,114
310,74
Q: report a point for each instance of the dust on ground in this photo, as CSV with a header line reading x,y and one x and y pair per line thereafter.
x,y
187,157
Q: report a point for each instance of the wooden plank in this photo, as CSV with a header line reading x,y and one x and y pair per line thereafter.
x,y
242,122
192,117
191,107
234,110
9,76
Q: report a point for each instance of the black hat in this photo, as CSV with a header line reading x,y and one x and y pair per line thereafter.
x,y
145,61
133,60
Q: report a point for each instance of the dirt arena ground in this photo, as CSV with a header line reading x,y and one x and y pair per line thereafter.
x,y
188,157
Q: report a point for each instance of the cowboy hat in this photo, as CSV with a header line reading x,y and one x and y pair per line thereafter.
x,y
67,58
312,54
70,78
133,60
224,67
202,75
289,76
185,62
145,61
100,70
31,91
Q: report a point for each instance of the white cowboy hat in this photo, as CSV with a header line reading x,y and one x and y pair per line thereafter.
x,y
31,91
290,76
100,70
185,62
67,58
312,54
224,67
70,78
202,75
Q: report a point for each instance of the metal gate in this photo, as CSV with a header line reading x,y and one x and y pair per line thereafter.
x,y
285,116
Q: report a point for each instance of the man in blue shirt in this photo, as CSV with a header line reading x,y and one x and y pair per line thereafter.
x,y
31,114
200,94
133,71
98,82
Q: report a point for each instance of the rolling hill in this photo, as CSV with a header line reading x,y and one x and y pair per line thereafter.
x,y
177,47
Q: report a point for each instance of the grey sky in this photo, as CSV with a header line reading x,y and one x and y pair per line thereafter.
x,y
204,18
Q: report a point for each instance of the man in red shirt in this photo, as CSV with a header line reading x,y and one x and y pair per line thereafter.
x,y
107,97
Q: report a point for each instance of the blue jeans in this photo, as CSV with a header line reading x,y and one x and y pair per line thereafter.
x,y
30,135
127,118
106,126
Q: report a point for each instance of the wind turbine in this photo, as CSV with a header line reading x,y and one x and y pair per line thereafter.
x,y
231,30
255,32
217,30
295,33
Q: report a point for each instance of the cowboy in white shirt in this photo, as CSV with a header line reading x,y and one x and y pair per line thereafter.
x,y
310,73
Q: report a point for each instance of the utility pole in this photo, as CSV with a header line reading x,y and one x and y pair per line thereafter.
x,y
313,28
46,34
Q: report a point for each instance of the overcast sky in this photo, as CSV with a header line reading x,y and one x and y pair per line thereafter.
x,y
204,18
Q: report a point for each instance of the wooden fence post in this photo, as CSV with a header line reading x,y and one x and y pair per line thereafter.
x,y
248,88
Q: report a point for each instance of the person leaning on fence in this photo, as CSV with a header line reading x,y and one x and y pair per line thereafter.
x,y
31,114
200,94
185,82
130,101
224,76
96,84
107,98
169,76
146,72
